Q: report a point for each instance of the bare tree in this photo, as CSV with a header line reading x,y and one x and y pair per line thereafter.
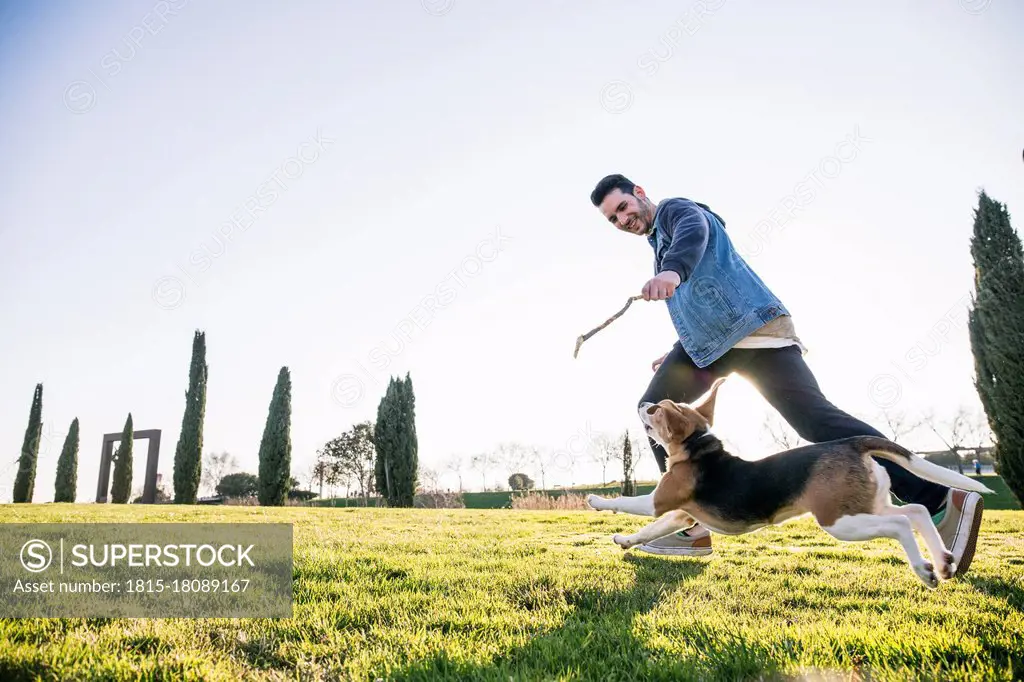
x,y
899,423
514,456
779,434
429,478
216,465
979,431
561,460
978,434
953,432
643,455
482,462
454,464
539,459
604,449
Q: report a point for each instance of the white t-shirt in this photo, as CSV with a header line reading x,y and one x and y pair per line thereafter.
x,y
778,333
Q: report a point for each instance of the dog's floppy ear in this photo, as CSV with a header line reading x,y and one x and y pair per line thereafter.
x,y
705,405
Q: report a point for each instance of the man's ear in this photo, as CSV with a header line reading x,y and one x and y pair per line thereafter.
x,y
705,405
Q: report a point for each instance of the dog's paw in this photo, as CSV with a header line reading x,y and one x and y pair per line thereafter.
x,y
622,541
596,502
926,572
947,569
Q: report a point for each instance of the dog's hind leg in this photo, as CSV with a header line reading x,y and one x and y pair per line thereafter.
x,y
669,522
641,505
920,519
860,527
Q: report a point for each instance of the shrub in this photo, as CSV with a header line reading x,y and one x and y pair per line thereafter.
x,y
543,501
438,500
241,484
520,482
161,497
247,501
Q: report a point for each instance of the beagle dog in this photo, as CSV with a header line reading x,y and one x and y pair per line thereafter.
x,y
838,482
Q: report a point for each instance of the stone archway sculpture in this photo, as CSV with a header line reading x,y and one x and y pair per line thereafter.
x,y
107,455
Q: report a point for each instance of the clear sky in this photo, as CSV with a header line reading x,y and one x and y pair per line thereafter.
x,y
356,190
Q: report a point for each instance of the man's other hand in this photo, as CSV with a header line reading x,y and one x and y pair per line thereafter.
x,y
657,363
662,286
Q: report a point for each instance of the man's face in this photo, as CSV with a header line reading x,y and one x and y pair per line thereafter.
x,y
627,212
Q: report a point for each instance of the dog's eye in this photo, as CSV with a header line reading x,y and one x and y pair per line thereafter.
x,y
652,409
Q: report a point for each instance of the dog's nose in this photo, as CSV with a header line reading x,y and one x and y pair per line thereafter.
x,y
644,407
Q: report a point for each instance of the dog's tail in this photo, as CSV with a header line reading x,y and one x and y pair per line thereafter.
x,y
919,466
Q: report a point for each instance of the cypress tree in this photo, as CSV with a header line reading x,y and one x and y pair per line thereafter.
x,y
276,446
25,481
384,441
396,442
408,459
996,328
121,488
188,453
66,485
628,484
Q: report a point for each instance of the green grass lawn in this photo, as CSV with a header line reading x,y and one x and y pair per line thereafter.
x,y
1003,497
496,595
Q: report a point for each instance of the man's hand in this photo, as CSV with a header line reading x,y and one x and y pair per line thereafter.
x,y
657,363
662,286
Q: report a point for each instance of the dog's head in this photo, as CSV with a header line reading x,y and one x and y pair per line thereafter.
x,y
670,423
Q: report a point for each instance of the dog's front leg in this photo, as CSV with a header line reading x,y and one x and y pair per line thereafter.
x,y
641,505
669,522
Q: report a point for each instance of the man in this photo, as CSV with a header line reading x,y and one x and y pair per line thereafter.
x,y
728,320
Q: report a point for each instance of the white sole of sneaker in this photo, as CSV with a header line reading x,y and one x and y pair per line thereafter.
x,y
970,520
703,551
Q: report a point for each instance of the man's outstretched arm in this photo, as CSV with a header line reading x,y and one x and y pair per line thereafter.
x,y
688,227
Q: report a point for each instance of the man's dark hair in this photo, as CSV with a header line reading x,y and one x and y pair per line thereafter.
x,y
609,183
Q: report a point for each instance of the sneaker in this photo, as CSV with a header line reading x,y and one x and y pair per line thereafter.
x,y
959,526
694,541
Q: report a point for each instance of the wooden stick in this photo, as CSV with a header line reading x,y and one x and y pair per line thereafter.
x,y
584,337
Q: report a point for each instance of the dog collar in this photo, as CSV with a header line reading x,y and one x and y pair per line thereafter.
x,y
696,438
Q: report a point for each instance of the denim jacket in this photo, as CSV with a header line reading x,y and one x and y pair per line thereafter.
x,y
719,300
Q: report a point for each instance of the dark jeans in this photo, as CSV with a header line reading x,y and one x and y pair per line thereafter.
x,y
786,382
